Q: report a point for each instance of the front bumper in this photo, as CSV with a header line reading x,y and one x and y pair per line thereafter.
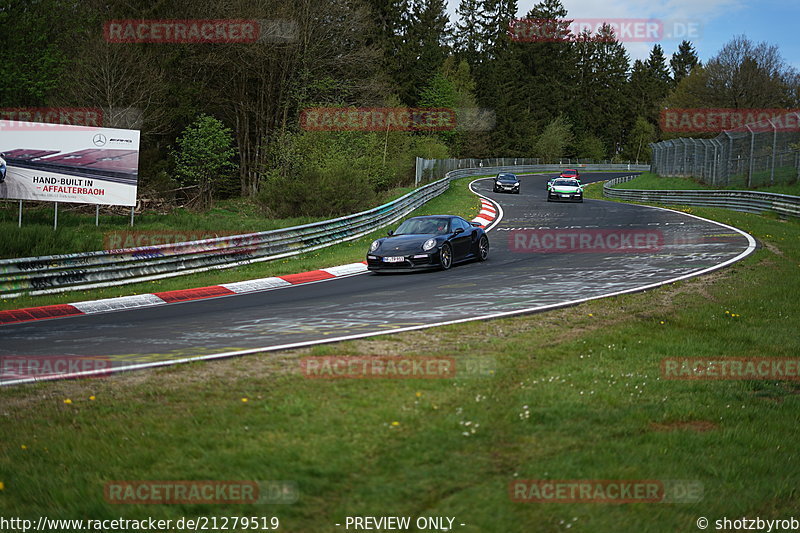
x,y
564,197
420,261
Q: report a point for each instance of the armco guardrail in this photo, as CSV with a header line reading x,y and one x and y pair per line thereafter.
x,y
60,273
747,201
437,168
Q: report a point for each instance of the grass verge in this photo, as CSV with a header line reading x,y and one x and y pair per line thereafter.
x,y
77,231
576,394
649,180
457,200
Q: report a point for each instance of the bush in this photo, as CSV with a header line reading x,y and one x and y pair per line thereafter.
x,y
339,189
204,158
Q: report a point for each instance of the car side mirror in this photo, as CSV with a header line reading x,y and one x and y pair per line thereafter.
x,y
390,232
458,230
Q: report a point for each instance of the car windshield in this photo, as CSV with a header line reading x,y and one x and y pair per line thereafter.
x,y
566,183
568,173
437,226
506,178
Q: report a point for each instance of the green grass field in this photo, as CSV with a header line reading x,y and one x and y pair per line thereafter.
x,y
457,200
649,180
576,394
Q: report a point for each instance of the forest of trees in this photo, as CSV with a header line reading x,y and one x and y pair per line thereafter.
x,y
578,98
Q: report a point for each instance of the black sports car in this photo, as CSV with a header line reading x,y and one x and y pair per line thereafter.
x,y
435,241
505,182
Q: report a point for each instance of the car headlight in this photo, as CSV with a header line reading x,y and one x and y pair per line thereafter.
x,y
374,246
429,244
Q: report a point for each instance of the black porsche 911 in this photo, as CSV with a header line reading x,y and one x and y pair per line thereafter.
x,y
434,241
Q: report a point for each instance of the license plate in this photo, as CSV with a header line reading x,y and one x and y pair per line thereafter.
x,y
565,196
394,259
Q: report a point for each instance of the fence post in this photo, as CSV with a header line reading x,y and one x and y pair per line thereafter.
x,y
730,156
714,165
752,148
674,159
774,150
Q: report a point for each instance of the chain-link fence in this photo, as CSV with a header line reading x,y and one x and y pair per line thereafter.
x,y
428,169
758,154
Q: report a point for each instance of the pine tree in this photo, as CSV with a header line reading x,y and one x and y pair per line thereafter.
x,y
601,81
683,61
423,48
659,72
468,37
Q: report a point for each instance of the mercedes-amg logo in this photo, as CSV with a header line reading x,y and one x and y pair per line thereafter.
x,y
99,140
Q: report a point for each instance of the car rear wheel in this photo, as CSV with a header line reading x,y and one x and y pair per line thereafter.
x,y
483,248
446,256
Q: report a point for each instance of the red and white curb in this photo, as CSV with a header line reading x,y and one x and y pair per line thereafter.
x,y
486,216
123,303
487,213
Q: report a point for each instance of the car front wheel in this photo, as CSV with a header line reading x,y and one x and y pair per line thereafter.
x,y
446,256
483,248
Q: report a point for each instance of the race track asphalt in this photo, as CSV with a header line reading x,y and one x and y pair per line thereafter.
x,y
512,280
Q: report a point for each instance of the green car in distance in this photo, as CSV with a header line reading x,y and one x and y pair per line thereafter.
x,y
564,190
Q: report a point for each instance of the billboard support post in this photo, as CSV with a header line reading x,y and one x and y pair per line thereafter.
x,y
96,214
132,208
55,217
19,221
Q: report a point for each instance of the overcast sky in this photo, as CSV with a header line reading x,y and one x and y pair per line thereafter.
x,y
717,21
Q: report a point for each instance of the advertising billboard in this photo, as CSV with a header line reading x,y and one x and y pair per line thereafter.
x,y
67,163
